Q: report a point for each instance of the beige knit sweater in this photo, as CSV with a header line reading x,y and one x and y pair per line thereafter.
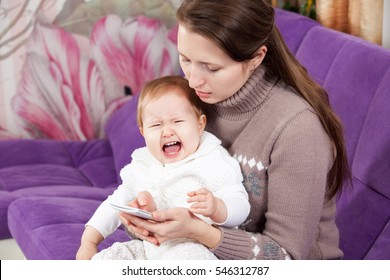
x,y
285,156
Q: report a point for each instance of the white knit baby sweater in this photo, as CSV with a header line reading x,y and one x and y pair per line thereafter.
x,y
210,166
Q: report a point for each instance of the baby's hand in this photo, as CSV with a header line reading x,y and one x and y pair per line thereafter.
x,y
206,204
144,201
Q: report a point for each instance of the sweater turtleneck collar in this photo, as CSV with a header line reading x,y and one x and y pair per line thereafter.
x,y
248,98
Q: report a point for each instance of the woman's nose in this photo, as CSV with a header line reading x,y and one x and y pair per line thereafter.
x,y
195,79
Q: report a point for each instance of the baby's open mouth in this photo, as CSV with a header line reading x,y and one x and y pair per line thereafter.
x,y
172,148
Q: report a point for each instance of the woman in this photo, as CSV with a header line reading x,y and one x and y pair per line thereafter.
x,y
278,123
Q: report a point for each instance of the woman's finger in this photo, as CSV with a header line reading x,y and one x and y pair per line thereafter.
x,y
132,224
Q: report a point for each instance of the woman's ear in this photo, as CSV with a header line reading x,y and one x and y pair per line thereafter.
x,y
258,59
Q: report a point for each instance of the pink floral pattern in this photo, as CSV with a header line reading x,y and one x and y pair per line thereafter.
x,y
71,85
5,134
135,51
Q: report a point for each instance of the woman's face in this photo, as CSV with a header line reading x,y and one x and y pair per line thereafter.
x,y
209,70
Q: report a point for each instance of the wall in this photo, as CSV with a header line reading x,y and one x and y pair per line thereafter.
x,y
77,18
10,68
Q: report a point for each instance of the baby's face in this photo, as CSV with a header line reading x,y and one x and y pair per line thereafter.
x,y
171,128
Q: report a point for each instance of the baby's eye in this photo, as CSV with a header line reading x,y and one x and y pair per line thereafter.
x,y
179,121
155,125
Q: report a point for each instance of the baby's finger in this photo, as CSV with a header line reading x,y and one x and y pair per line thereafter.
x,y
190,194
199,211
199,205
197,198
202,191
134,203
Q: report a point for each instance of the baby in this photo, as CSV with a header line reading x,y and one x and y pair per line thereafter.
x,y
181,166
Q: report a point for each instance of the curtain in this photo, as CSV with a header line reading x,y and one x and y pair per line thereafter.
x,y
362,18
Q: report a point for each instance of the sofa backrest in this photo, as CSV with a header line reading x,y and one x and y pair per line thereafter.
x,y
293,27
123,134
356,74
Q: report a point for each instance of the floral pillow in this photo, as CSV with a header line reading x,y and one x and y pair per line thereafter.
x,y
71,84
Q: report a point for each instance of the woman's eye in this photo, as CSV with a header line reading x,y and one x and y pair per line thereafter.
x,y
211,69
184,59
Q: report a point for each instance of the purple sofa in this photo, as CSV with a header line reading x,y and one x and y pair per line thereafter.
x,y
49,189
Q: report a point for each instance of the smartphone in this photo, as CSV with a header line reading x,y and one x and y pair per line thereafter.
x,y
133,211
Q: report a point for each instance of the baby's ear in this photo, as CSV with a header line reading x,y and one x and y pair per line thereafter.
x,y
141,130
202,123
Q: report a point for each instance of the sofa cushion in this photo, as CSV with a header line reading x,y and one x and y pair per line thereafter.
x,y
369,199
360,97
357,77
51,225
5,200
123,134
28,176
87,163
362,215
31,152
381,248
31,168
75,191
330,57
372,158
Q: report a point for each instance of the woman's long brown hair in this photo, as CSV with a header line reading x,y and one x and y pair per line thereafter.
x,y
240,28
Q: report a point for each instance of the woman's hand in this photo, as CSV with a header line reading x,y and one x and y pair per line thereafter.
x,y
171,224
143,201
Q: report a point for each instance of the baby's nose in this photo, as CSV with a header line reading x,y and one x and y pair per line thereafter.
x,y
167,131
